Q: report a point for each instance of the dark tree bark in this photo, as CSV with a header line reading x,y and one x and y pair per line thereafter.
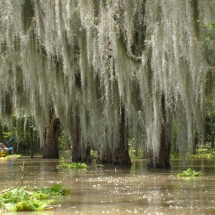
x,y
212,142
75,137
163,161
104,156
51,145
80,153
32,149
120,155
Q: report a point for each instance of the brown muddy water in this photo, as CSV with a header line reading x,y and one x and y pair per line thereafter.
x,y
118,191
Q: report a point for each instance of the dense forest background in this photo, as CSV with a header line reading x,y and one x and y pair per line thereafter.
x,y
108,76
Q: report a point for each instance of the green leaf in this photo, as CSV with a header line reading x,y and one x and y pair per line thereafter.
x,y
72,165
40,195
189,173
56,188
24,199
10,207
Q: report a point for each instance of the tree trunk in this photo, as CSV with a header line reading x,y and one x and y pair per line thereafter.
x,y
80,153
212,141
51,146
32,149
163,161
104,156
121,154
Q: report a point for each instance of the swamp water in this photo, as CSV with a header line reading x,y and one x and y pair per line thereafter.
x,y
118,191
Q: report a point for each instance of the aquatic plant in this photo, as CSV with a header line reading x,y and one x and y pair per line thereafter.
x,y
26,199
14,156
189,173
54,190
73,165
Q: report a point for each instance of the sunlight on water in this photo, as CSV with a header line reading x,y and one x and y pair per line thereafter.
x,y
125,191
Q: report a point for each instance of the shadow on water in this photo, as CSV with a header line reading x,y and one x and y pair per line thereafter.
x,y
119,191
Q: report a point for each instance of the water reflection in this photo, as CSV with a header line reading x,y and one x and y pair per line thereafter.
x,y
122,191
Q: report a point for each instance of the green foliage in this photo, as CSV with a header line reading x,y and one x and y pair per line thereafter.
x,y
204,153
54,190
189,173
210,113
14,156
174,154
25,199
7,135
94,154
210,33
23,127
72,165
64,141
135,152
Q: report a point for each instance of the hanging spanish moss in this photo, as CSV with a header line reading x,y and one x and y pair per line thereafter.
x,y
109,69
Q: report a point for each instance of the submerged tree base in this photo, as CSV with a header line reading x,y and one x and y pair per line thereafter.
x,y
115,159
152,165
163,161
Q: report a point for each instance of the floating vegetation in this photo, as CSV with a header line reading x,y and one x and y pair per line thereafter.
x,y
25,199
54,190
10,157
189,173
72,165
14,156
